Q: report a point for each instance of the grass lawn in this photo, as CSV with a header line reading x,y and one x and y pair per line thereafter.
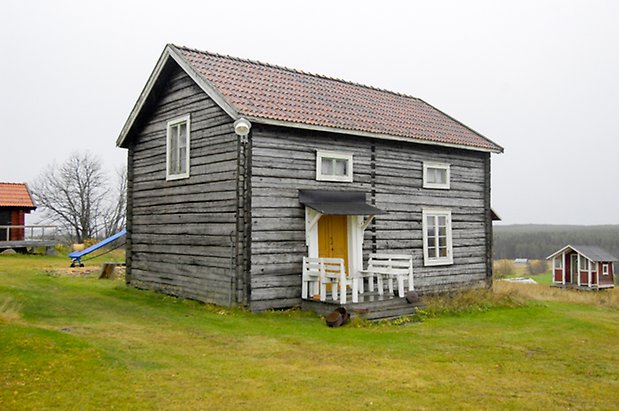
x,y
81,343
544,279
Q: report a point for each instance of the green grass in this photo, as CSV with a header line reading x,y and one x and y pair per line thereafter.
x,y
544,279
83,343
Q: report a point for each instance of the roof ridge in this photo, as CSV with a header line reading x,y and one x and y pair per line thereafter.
x,y
282,96
297,71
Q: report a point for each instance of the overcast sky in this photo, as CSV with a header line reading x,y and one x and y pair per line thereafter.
x,y
540,78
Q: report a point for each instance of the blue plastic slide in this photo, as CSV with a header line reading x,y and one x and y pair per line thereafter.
x,y
76,256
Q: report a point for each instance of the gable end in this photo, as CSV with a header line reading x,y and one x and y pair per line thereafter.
x,y
170,53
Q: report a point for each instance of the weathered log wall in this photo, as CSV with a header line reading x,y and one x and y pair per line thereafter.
x,y
183,235
399,191
284,161
187,237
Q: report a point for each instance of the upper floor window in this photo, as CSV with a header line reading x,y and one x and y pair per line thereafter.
x,y
331,166
437,243
435,175
177,143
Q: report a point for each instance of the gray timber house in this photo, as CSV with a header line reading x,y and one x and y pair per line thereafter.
x,y
237,170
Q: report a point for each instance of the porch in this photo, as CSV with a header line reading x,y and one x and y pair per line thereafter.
x,y
371,306
27,236
335,222
584,287
382,291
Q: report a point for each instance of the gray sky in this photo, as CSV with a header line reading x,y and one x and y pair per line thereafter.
x,y
540,78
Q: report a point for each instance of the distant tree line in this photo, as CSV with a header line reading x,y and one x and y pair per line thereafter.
x,y
539,241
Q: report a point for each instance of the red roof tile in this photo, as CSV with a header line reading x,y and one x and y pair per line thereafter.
x,y
15,195
264,91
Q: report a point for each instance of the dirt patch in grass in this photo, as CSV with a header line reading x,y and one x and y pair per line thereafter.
x,y
94,271
9,309
72,272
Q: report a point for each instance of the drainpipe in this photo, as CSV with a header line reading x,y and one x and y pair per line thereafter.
x,y
248,214
242,128
231,269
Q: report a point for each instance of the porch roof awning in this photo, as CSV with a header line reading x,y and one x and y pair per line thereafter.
x,y
338,202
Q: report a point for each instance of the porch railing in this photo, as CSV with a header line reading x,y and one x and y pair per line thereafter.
x,y
28,232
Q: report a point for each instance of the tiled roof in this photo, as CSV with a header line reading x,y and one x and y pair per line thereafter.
x,y
15,195
264,91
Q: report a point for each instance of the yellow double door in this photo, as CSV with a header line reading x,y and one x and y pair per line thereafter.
x,y
333,238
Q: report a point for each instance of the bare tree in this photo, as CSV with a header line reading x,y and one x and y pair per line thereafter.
x,y
73,194
114,217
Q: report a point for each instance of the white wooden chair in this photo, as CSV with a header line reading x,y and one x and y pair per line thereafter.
x,y
318,272
389,267
334,274
311,275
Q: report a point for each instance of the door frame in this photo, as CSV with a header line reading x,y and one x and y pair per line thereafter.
x,y
356,225
574,269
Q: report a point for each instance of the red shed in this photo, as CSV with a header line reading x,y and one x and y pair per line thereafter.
x,y
15,202
583,266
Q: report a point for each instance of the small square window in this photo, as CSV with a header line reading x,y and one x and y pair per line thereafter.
x,y
558,263
331,166
177,148
436,175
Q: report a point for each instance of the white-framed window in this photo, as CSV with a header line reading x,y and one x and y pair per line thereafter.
x,y
605,269
177,148
558,263
437,244
332,166
584,263
436,175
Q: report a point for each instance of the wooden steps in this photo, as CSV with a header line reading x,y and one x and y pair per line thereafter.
x,y
371,306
